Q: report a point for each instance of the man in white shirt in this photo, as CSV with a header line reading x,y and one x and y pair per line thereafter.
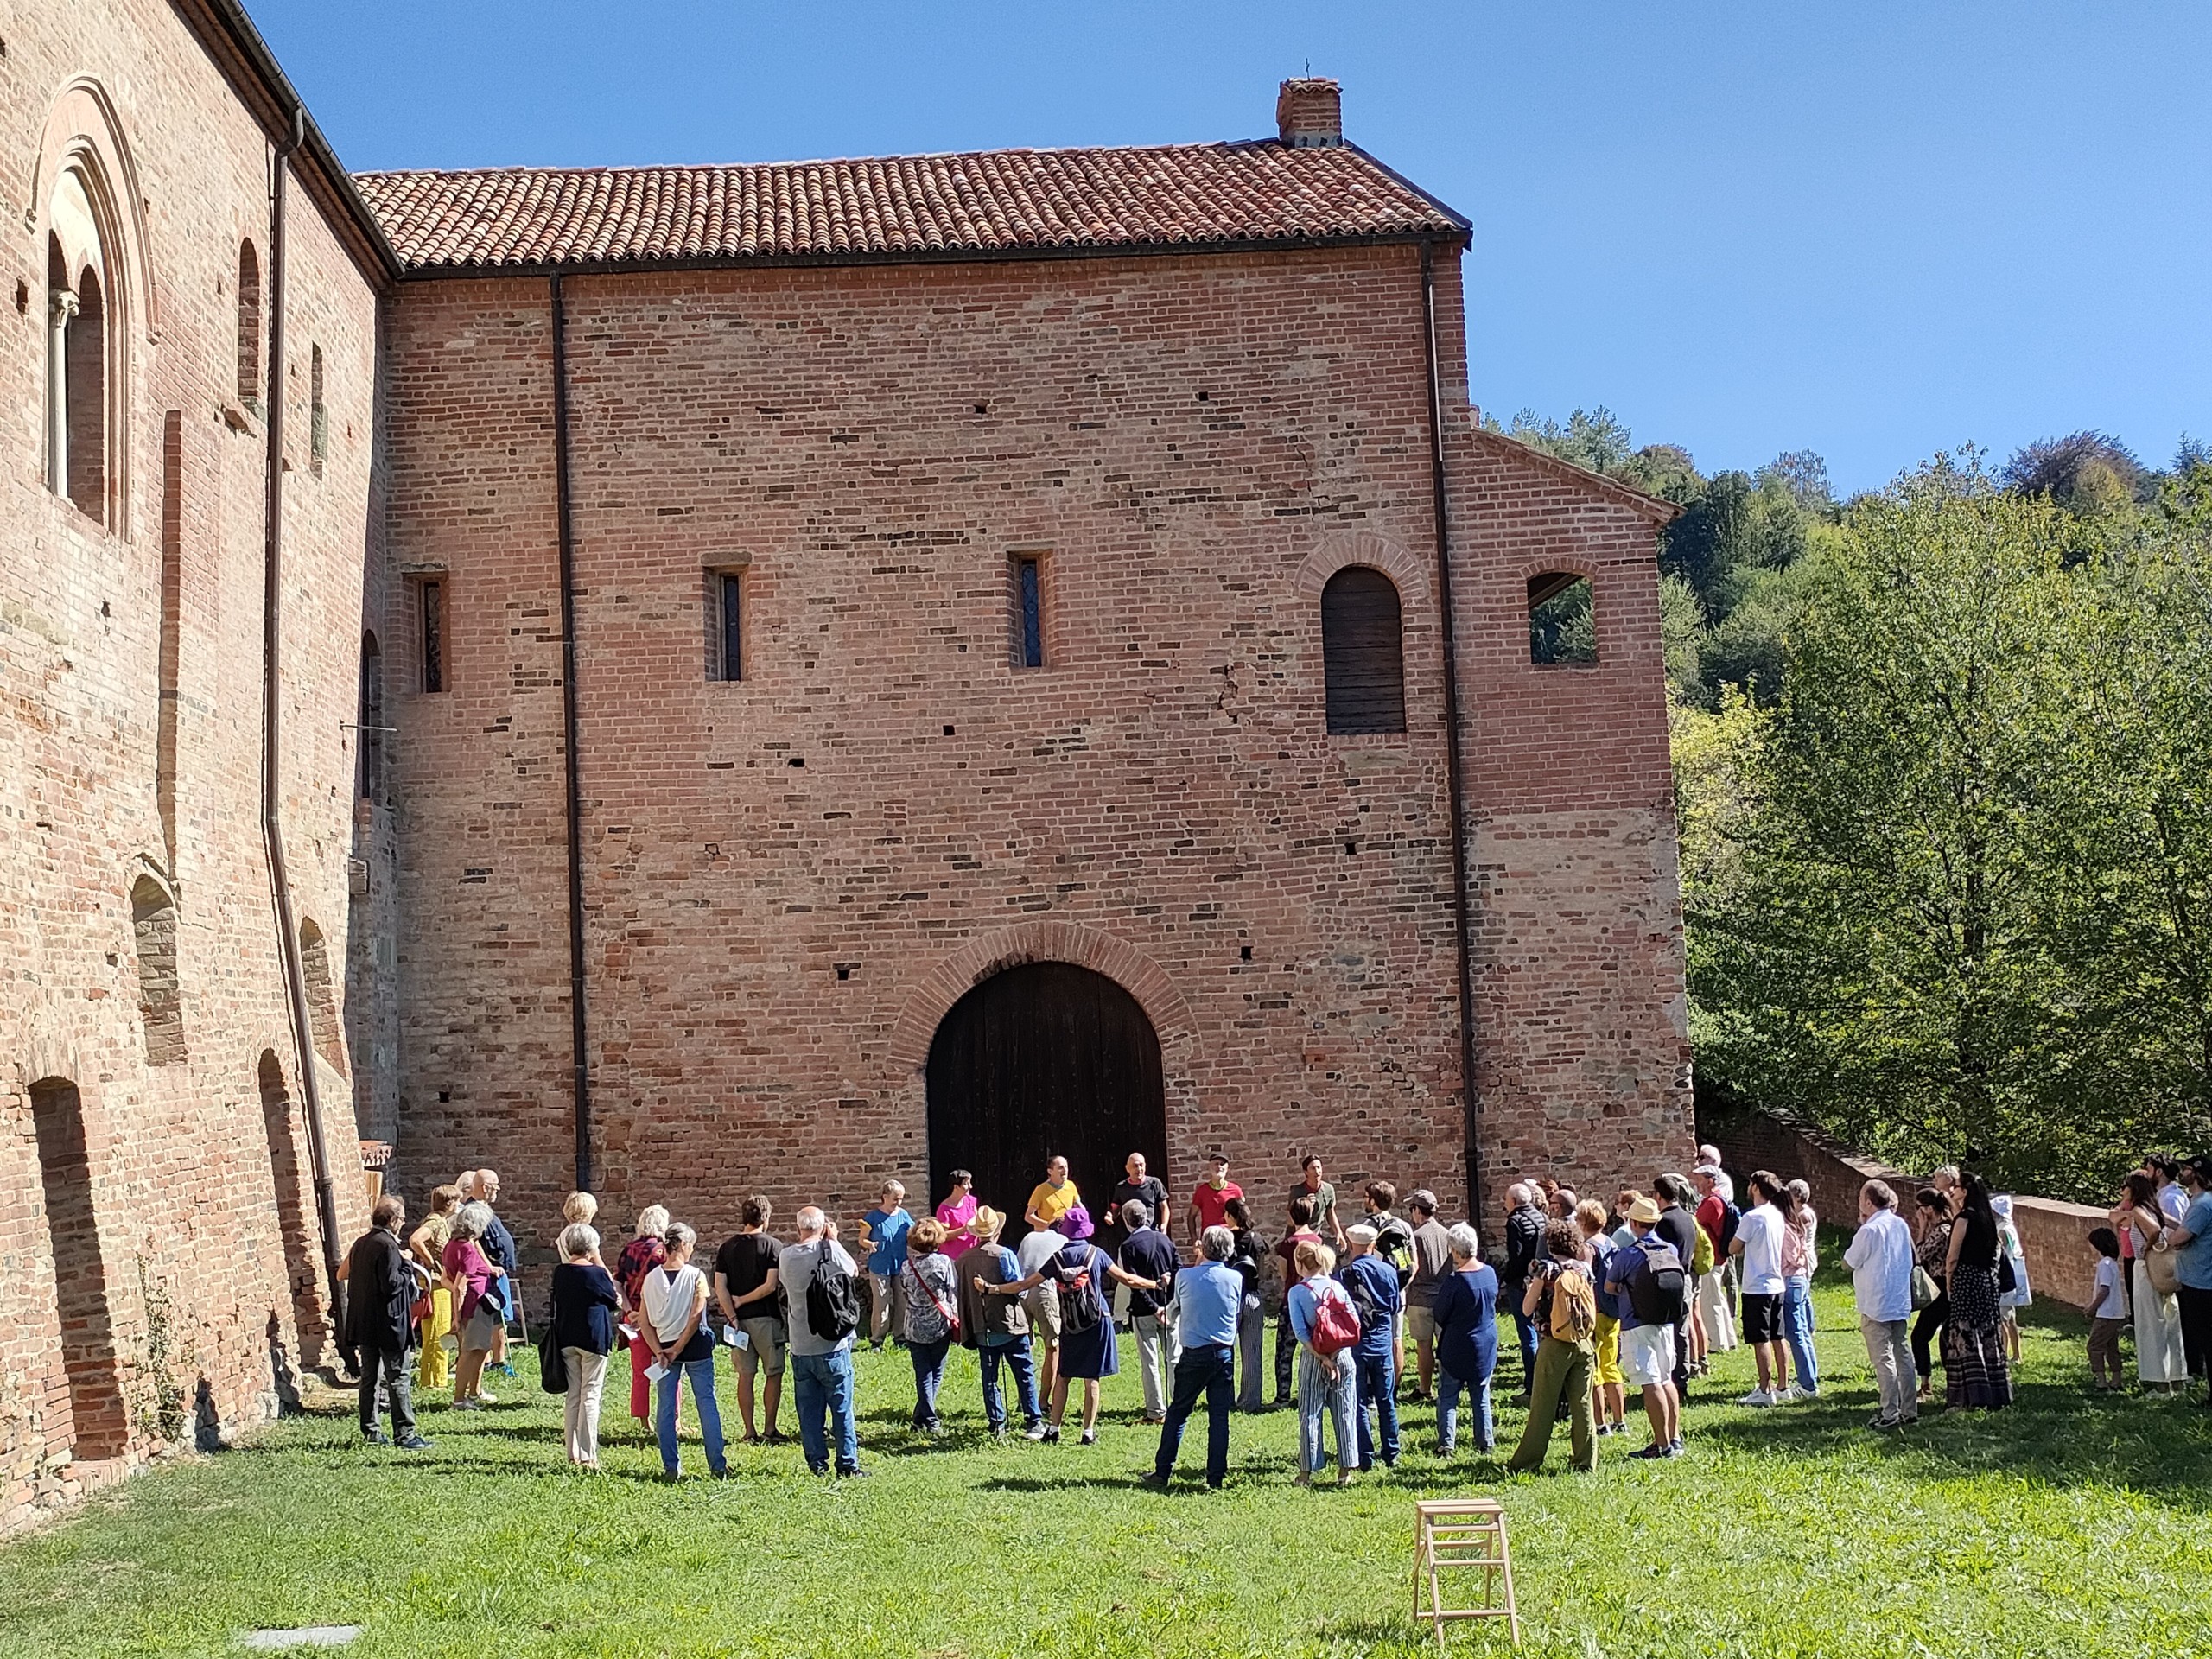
x,y
1757,1246
1042,1304
823,1365
1881,1260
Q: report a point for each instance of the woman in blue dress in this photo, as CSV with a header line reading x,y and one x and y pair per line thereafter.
x,y
1467,1340
1087,1350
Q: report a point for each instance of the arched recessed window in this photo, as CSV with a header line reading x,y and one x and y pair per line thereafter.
x,y
96,1423
1363,652
250,387
318,416
78,347
161,1000
322,997
1562,621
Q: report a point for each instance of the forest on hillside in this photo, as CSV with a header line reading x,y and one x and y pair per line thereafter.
x,y
1944,770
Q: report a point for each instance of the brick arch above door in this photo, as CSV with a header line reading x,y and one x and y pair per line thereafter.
x,y
954,976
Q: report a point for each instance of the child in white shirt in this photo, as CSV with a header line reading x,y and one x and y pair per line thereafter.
x,y
2108,1311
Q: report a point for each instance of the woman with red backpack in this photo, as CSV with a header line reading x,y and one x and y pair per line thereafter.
x,y
1561,1301
1327,1328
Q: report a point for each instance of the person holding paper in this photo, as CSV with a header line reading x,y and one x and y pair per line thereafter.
x,y
676,1308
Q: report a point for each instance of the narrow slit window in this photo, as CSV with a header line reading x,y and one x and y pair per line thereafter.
x,y
1562,621
432,600
1029,612
318,413
729,616
250,387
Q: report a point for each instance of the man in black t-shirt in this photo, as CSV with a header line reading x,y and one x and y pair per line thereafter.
x,y
1678,1228
1147,1190
751,1299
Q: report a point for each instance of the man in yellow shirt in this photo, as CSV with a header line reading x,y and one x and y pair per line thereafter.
x,y
1053,1197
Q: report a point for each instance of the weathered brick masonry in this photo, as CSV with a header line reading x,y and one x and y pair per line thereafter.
x,y
131,645
1197,442
868,392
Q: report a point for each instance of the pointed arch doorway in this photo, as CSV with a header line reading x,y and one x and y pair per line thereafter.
x,y
1040,1059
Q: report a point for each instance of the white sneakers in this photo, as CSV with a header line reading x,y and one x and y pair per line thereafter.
x,y
1760,1397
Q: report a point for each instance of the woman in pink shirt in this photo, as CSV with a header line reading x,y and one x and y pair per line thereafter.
x,y
469,1274
957,1213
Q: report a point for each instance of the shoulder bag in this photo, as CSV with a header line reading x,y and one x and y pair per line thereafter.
x,y
552,1364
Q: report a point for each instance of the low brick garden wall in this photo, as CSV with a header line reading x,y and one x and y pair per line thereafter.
x,y
2054,1233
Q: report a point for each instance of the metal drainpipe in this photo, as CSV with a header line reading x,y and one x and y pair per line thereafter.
x,y
1455,766
272,828
579,1054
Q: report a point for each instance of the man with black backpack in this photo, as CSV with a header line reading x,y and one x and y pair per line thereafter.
x,y
1649,1286
823,1297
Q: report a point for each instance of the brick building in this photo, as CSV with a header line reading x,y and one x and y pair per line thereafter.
x,y
781,675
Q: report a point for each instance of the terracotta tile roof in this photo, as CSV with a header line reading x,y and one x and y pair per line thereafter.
x,y
995,201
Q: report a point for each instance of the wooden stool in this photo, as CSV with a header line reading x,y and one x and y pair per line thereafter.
x,y
1462,1532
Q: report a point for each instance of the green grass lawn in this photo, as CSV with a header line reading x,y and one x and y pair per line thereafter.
x,y
2053,1529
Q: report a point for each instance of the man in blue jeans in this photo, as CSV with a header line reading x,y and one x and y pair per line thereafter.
x,y
1524,1247
676,1307
1372,1284
823,1366
1203,1312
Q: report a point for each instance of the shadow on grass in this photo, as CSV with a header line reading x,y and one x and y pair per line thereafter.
x,y
2059,1433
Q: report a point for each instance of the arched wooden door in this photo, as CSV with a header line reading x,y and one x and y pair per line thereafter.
x,y
1042,1059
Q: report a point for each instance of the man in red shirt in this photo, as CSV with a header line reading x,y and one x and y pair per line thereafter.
x,y
1212,1197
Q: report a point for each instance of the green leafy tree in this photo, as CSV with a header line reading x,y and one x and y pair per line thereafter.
x,y
1879,961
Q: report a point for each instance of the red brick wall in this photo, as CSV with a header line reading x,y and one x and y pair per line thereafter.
x,y
1198,442
177,1175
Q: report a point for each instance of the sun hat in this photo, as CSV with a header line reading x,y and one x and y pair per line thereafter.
x,y
1075,1224
1645,1212
985,1223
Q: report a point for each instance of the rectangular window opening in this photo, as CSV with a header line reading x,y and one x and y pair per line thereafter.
x,y
432,600
729,615
1029,610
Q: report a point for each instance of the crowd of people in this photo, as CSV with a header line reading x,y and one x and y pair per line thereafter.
x,y
1604,1300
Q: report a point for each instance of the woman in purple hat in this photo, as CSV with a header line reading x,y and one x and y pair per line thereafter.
x,y
1088,1350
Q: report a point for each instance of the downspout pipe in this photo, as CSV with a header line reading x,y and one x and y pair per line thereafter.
x,y
580,1059
272,700
1455,761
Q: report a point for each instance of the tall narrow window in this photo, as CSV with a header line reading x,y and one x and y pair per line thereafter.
x,y
729,615
250,387
318,416
1028,611
369,771
432,596
1562,621
86,308
1362,655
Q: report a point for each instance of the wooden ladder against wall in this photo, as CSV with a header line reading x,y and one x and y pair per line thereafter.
x,y
1463,1534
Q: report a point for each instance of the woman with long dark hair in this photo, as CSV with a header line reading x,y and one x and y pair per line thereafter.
x,y
1976,1371
2160,1358
1932,1219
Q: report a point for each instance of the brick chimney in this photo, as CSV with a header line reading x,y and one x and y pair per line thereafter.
x,y
1309,111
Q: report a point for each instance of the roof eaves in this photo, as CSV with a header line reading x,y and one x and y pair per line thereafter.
x,y
1465,225
229,36
923,255
1660,512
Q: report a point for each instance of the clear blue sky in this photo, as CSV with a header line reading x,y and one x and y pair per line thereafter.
x,y
1872,229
